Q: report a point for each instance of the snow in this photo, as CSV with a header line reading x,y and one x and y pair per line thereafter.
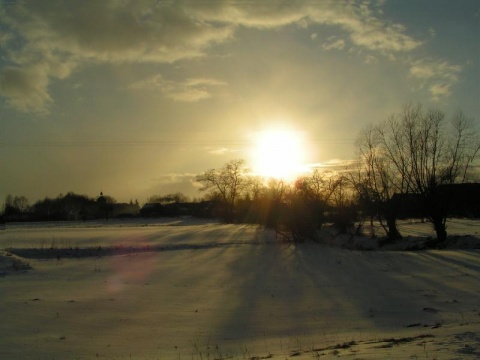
x,y
201,290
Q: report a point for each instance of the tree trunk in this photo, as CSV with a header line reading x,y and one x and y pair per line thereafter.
x,y
391,211
440,229
392,232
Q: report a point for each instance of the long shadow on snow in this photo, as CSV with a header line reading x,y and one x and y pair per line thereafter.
x,y
283,292
204,238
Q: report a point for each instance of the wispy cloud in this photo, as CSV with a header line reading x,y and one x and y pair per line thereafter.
x,y
361,20
336,163
439,90
173,178
174,182
334,43
190,90
219,150
438,76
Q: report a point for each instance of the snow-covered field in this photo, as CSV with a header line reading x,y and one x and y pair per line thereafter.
x,y
183,289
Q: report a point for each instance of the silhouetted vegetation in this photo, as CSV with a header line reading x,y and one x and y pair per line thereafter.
x,y
16,208
67,208
201,209
413,165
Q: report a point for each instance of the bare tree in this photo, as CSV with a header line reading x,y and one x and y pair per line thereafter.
x,y
16,207
375,180
225,184
343,204
440,156
417,152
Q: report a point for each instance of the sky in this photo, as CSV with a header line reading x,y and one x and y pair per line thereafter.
x,y
134,98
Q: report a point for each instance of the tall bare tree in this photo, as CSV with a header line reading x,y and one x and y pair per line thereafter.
x,y
225,184
376,180
418,152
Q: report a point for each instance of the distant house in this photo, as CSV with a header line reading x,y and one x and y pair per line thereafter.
x,y
461,200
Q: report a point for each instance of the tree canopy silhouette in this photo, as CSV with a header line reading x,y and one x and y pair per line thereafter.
x,y
225,185
419,153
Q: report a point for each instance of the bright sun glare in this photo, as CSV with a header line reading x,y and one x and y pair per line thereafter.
x,y
279,154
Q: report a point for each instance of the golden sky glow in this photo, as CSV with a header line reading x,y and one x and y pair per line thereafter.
x,y
134,98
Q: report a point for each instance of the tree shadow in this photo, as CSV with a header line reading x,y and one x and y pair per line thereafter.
x,y
328,294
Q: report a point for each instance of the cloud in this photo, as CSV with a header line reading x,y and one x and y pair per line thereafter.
x,y
117,31
360,20
220,150
173,178
333,43
4,38
370,59
25,88
365,27
427,69
174,182
261,15
52,39
439,90
437,75
375,35
187,94
154,82
204,81
190,90
333,166
337,163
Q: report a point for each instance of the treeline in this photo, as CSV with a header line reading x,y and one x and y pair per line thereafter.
x,y
298,210
75,207
415,164
67,207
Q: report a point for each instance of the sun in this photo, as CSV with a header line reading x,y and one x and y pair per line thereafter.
x,y
278,154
